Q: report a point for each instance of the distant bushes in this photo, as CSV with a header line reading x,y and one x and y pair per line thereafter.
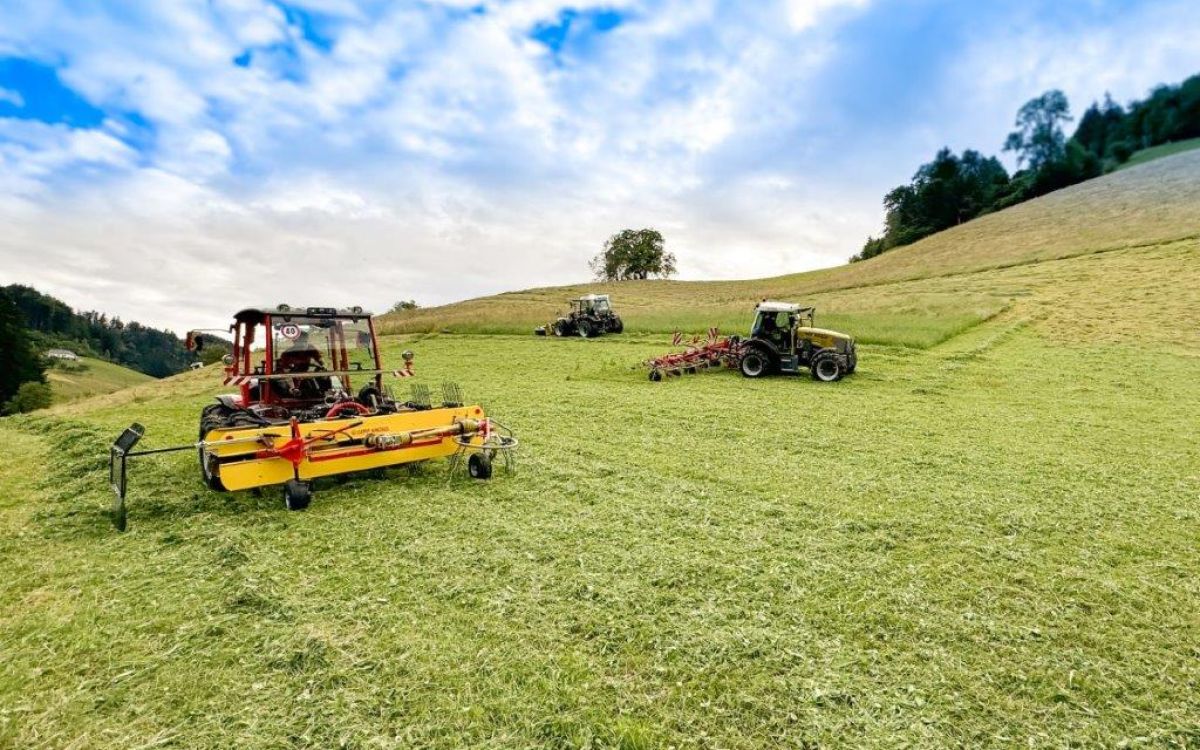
x,y
952,189
30,396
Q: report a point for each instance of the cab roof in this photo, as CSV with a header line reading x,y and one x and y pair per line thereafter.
x,y
592,297
253,313
768,305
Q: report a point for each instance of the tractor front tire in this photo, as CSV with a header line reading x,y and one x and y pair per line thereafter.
x,y
213,417
560,328
585,329
825,367
479,466
754,364
296,494
617,326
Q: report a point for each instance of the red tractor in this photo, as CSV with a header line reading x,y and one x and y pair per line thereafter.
x,y
311,402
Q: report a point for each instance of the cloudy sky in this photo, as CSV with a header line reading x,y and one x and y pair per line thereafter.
x,y
171,161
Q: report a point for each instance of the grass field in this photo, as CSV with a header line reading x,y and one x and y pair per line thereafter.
x,y
96,377
989,536
1158,152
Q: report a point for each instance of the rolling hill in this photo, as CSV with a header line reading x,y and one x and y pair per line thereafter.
x,y
916,295
91,377
988,536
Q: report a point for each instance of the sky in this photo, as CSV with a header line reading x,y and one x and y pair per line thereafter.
x,y
171,162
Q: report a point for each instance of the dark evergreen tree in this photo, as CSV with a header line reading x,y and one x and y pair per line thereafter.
x,y
19,363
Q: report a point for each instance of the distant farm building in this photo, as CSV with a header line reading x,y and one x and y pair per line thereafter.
x,y
62,354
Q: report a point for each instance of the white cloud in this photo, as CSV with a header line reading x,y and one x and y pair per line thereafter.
x,y
439,153
12,97
804,14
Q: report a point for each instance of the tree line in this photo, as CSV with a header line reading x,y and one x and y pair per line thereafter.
x,y
52,323
23,384
953,189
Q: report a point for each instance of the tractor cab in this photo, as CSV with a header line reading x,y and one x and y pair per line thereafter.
x,y
777,322
297,358
591,304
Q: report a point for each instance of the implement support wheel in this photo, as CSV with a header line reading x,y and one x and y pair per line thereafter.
x,y
479,466
296,494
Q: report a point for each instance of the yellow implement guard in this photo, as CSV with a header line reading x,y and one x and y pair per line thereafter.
x,y
250,457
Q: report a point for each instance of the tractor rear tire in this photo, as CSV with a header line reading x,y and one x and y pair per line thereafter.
x,y
825,367
296,494
754,364
479,466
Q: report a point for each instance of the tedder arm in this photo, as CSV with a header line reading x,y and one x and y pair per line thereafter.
x,y
121,451
698,355
118,454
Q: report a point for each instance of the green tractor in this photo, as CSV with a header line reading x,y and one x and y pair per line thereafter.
x,y
783,339
591,315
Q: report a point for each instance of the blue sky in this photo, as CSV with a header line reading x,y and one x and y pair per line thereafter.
x,y
221,152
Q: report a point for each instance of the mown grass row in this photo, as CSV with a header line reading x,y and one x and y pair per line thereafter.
x,y
938,551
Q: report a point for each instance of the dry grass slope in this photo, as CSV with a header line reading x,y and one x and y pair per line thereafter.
x,y
1145,205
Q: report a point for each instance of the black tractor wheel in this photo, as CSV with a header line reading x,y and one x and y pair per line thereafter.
x,y
479,466
754,364
370,396
585,329
296,494
617,325
213,417
561,328
825,367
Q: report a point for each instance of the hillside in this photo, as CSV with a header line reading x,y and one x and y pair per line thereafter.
x,y
91,377
986,537
1144,205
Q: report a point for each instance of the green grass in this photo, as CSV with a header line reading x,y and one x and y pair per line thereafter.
x,y
91,377
987,537
989,542
1158,152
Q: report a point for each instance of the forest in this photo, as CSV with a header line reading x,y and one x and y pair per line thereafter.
x,y
953,189
52,323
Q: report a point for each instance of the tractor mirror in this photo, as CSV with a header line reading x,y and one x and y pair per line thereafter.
x,y
407,355
227,360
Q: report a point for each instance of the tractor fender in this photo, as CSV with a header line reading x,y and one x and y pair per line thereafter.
x,y
230,400
767,349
